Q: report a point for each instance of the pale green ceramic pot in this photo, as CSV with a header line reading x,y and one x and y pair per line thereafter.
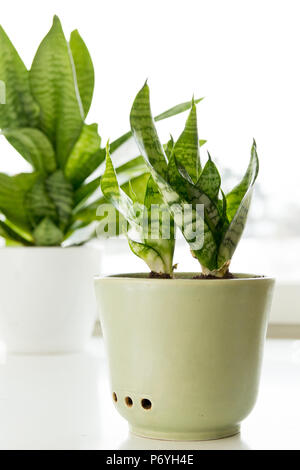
x,y
184,354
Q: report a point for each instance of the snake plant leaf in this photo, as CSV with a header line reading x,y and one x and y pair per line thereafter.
x,y
179,108
12,194
235,196
237,223
128,171
54,87
147,254
180,180
156,251
34,146
47,233
234,232
84,70
137,186
175,110
144,131
222,204
114,194
10,234
61,192
20,109
38,203
131,169
81,160
86,214
160,228
210,181
85,191
186,149
168,147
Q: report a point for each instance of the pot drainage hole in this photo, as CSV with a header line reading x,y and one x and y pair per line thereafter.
x,y
128,402
146,404
115,398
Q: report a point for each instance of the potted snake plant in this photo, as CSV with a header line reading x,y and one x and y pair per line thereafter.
x,y
48,215
184,349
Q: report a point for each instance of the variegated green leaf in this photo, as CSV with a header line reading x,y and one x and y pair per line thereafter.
x,y
114,194
186,149
147,140
20,109
210,181
144,131
138,186
84,70
12,196
234,232
168,147
160,227
53,85
61,192
147,254
128,171
38,203
180,180
131,169
237,223
80,163
47,233
178,109
34,146
235,196
10,234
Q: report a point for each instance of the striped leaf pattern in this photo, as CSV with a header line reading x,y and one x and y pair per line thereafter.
x,y
47,233
38,203
238,203
183,182
84,70
186,149
114,194
34,146
159,225
144,131
156,252
20,109
54,87
80,161
210,181
235,197
149,255
12,194
61,193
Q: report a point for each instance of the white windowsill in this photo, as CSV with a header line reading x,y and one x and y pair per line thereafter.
x,y
63,402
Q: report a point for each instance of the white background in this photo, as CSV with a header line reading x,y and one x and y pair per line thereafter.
x,y
243,56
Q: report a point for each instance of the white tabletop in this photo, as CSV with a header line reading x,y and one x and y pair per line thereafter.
x,y
63,402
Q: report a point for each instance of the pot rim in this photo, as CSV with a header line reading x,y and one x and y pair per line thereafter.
x,y
144,277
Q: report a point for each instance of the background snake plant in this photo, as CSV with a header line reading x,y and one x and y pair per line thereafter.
x,y
44,119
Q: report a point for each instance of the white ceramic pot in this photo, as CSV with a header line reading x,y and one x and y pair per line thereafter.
x,y
47,303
